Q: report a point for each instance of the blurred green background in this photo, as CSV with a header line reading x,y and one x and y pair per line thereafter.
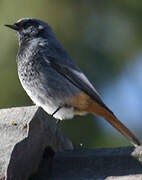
x,y
105,40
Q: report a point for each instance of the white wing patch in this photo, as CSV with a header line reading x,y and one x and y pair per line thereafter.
x,y
82,76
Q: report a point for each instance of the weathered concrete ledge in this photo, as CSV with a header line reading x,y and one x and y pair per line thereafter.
x,y
25,132
26,150
98,164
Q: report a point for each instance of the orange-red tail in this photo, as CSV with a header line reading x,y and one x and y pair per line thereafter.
x,y
83,103
112,119
123,129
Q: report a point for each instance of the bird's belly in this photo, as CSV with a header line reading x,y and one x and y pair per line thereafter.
x,y
50,106
62,114
50,92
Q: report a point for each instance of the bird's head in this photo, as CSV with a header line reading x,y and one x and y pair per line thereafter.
x,y
30,28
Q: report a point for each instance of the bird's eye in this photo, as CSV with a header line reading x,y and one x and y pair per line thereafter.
x,y
16,24
26,25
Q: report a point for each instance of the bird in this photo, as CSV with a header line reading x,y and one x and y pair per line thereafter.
x,y
53,81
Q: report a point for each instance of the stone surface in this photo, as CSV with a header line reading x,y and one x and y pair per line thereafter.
x,y
23,153
21,150
97,164
129,177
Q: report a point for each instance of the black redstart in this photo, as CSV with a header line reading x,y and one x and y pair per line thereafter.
x,y
53,81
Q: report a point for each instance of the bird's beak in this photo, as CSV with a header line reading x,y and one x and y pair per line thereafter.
x,y
14,27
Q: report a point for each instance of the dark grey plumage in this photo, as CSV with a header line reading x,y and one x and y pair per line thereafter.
x,y
52,80
46,70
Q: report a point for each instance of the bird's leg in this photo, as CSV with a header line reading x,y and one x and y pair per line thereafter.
x,y
58,120
56,110
61,106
